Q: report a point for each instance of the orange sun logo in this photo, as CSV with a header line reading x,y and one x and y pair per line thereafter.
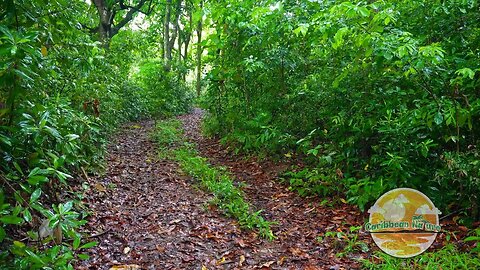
x,y
403,222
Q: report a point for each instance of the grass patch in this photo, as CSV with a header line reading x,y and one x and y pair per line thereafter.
x,y
446,258
213,179
167,134
348,242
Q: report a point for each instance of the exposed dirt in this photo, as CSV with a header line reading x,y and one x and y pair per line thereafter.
x,y
149,215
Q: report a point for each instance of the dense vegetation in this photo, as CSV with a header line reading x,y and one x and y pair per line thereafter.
x,y
373,95
63,91
366,95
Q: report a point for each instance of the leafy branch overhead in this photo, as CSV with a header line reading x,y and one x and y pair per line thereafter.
x,y
115,14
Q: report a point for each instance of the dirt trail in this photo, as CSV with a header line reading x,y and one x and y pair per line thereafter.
x,y
150,215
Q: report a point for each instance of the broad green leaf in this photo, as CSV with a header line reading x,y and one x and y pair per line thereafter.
x,y
18,168
34,257
83,256
364,11
302,28
438,118
89,245
466,73
35,195
63,208
26,215
37,179
5,140
11,220
472,238
76,241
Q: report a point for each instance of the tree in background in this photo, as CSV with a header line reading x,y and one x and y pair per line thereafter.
x,y
115,14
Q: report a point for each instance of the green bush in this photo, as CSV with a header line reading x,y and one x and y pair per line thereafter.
x,y
46,144
385,91
164,92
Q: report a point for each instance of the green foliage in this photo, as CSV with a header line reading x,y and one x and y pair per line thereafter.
x,y
446,258
168,133
312,182
45,145
383,94
62,93
227,196
346,242
166,93
474,238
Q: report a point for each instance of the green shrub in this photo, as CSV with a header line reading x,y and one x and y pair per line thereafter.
x,y
164,92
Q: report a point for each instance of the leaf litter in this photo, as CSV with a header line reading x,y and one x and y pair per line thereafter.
x,y
157,218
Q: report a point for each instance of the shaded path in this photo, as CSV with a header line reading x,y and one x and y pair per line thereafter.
x,y
300,220
156,218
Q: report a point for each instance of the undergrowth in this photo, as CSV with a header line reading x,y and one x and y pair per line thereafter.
x,y
217,181
446,258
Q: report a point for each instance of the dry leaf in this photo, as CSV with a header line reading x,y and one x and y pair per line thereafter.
x,y
221,261
44,51
267,264
58,234
175,221
126,250
242,260
45,231
99,187
339,173
160,248
241,243
168,230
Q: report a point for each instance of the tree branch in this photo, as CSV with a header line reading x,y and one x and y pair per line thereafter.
x,y
92,30
138,7
131,11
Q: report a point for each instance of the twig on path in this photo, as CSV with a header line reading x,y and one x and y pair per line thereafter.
x,y
85,174
100,233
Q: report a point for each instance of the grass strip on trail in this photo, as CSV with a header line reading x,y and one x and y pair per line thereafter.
x,y
216,180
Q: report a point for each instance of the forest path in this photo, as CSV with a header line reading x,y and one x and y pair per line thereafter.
x,y
153,217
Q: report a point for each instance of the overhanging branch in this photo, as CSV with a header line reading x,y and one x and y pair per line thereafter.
x,y
131,11
138,7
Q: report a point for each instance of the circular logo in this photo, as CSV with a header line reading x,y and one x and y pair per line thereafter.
x,y
403,222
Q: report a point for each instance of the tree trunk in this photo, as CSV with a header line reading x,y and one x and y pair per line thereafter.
x,y
170,40
180,42
199,52
105,24
188,36
166,35
106,28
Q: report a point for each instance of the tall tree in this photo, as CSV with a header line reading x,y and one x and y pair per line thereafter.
x,y
170,35
199,50
113,15
166,31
